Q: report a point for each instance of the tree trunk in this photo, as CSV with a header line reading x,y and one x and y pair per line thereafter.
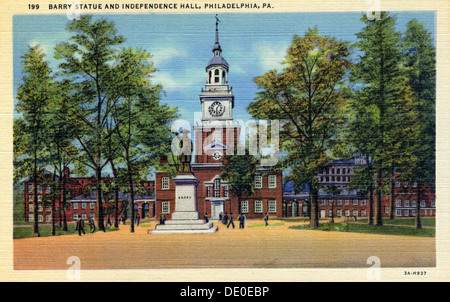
x,y
371,204
35,193
392,212
418,210
63,192
130,181
379,195
116,196
101,225
314,219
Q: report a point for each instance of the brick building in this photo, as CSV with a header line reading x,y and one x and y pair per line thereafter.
x,y
350,203
216,134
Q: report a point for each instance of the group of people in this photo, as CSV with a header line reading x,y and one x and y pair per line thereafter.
x,y
80,224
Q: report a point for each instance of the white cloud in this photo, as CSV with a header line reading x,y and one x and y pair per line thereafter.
x,y
270,55
164,55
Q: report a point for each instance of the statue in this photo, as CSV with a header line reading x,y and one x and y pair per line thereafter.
x,y
185,152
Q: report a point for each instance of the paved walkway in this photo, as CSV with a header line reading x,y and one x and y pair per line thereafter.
x,y
275,246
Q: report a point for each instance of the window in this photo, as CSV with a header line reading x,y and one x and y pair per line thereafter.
x,y
48,218
363,213
363,203
216,74
244,206
40,208
407,203
165,183
399,203
323,202
30,217
405,184
225,191
272,206
75,206
31,207
92,205
397,184
422,203
414,203
165,207
272,181
399,213
339,202
217,187
92,216
330,213
330,203
355,202
208,191
258,182
433,204
258,206
39,197
83,205
75,216
414,212
386,210
355,213
40,218
30,188
83,216
39,189
347,213
406,213
339,213
347,202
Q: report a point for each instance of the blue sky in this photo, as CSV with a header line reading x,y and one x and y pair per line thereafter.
x,y
181,45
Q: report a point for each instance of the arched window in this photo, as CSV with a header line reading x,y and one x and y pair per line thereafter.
x,y
217,187
224,77
209,79
216,76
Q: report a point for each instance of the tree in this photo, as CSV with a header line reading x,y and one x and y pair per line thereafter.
x,y
308,96
420,59
34,97
141,122
89,60
240,171
384,100
333,191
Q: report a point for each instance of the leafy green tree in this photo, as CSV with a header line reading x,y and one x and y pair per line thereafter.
x,y
89,60
240,171
420,59
384,100
34,97
308,97
142,123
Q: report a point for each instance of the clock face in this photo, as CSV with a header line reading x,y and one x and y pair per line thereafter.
x,y
217,155
216,109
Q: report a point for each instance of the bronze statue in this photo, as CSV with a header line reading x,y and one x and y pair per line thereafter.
x,y
185,152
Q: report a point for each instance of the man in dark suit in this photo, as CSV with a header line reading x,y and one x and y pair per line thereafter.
x,y
241,221
231,221
80,226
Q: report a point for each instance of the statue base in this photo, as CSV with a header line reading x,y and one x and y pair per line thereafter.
x,y
185,219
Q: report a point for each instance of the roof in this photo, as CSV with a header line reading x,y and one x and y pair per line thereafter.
x,y
217,61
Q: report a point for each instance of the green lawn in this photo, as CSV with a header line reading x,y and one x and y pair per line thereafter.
x,y
426,222
45,231
371,229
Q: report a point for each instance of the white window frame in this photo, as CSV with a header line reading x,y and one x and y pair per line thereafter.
x,y
244,206
363,203
165,183
399,213
40,208
75,205
363,213
92,205
165,207
83,216
41,218
347,202
323,202
92,216
339,213
259,206
355,202
30,217
272,181
406,213
83,206
355,213
423,204
339,202
226,192
258,182
39,198
407,204
386,210
75,216
347,213
272,204
30,207
433,203
48,218
398,202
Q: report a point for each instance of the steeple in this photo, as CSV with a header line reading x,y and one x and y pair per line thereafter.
x,y
217,49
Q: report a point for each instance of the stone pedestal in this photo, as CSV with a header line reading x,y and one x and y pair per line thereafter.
x,y
185,219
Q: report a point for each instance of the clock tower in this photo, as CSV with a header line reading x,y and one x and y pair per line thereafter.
x,y
217,131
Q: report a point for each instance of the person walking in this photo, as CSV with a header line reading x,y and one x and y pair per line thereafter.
x,y
80,226
266,219
206,217
92,224
138,219
231,221
225,218
241,220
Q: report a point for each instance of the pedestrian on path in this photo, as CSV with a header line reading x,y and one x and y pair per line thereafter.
x,y
138,219
206,217
266,219
231,221
241,220
92,224
80,226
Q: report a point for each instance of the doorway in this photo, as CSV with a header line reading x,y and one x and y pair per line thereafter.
x,y
216,209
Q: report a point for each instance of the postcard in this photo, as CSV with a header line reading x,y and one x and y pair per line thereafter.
x,y
264,141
